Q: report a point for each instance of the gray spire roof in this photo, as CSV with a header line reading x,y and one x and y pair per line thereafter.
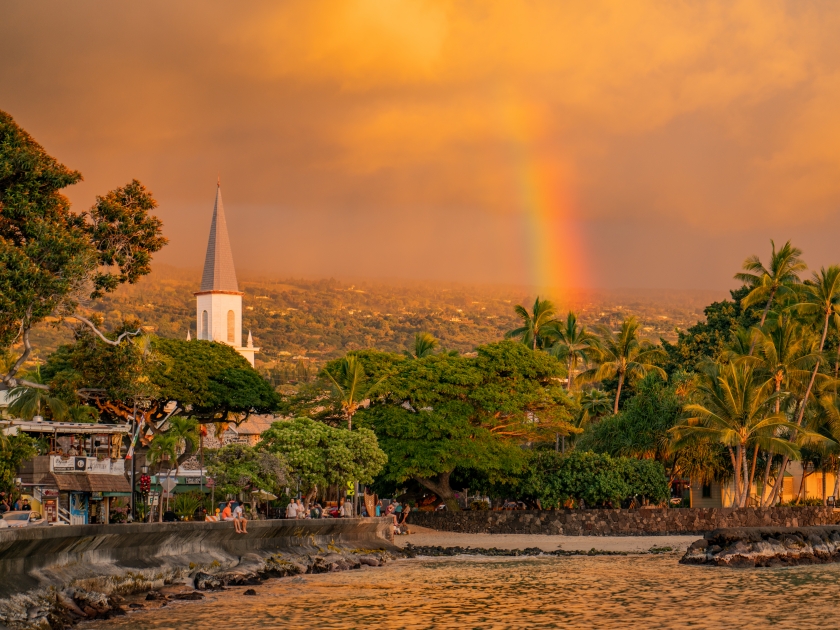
x,y
219,274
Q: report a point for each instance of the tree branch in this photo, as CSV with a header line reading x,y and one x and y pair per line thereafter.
x,y
110,342
9,379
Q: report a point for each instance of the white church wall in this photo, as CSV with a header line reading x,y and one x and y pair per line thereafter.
x,y
217,306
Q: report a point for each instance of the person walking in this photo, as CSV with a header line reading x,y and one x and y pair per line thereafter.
x,y
239,520
291,509
346,509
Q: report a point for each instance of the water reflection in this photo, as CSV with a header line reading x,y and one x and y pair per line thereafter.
x,y
584,592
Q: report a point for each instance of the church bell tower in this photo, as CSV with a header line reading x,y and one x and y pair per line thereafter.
x,y
219,302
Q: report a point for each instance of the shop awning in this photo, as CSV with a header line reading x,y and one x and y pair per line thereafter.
x,y
80,482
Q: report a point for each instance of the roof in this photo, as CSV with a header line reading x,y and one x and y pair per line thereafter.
x,y
254,425
73,428
219,273
77,482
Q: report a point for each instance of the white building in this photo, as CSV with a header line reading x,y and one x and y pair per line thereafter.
x,y
219,302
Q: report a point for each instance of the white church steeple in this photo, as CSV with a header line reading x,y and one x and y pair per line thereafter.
x,y
219,302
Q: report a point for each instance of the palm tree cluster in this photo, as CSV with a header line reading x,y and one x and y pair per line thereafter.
x,y
771,395
604,353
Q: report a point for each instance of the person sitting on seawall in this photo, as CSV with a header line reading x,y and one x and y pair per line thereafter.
x,y
316,511
227,513
239,520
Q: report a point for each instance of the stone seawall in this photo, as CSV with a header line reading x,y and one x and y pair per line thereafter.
x,y
48,573
622,522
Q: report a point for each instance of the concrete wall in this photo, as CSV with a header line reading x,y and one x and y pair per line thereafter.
x,y
37,557
622,522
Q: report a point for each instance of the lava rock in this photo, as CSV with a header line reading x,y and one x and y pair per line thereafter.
x,y
250,591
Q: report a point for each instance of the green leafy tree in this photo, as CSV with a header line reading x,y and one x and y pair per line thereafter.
x,y
318,455
237,468
592,479
14,451
625,357
642,428
50,257
445,412
707,340
208,381
538,326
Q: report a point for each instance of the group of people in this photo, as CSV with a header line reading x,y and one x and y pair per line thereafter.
x,y
7,505
234,511
296,509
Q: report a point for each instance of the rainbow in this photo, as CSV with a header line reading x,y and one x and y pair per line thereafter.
x,y
553,249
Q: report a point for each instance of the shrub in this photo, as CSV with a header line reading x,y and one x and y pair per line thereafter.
x,y
592,478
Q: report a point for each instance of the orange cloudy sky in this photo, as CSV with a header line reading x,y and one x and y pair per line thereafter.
x,y
577,144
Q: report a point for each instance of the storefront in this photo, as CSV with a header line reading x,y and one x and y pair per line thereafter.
x,y
82,475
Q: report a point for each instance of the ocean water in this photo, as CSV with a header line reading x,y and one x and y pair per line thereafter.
x,y
468,592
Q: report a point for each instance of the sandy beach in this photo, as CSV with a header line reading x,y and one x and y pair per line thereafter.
x,y
423,536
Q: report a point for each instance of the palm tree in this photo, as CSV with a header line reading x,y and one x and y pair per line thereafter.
x,y
28,402
766,283
785,356
537,326
594,403
735,409
163,447
185,431
83,413
621,355
424,346
350,385
821,301
574,345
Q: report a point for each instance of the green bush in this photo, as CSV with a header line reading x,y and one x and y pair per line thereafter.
x,y
595,479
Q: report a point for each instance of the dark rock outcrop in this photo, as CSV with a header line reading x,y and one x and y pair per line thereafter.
x,y
766,547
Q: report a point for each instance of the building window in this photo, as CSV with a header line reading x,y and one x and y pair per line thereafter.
x,y
231,326
707,491
205,329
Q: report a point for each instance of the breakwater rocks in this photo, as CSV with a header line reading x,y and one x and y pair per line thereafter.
x,y
622,522
53,577
766,547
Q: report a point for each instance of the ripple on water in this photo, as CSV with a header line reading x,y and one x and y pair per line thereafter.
x,y
469,592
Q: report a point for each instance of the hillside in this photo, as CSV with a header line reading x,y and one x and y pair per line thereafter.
x,y
317,320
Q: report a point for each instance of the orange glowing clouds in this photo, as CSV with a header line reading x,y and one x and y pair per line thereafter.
x,y
559,144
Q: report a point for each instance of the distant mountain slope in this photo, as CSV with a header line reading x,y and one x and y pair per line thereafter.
x,y
323,319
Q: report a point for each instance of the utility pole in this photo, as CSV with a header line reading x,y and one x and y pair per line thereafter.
x,y
134,470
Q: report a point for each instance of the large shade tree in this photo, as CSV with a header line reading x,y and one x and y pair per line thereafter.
x,y
445,412
51,258
208,381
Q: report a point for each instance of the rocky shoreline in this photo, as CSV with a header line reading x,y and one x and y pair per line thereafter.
x,y
54,608
434,551
766,547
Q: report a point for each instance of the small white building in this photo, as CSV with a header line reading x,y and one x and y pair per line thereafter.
x,y
219,302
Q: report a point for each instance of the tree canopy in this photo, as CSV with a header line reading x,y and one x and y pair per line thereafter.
x,y
444,412
207,380
318,455
51,257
